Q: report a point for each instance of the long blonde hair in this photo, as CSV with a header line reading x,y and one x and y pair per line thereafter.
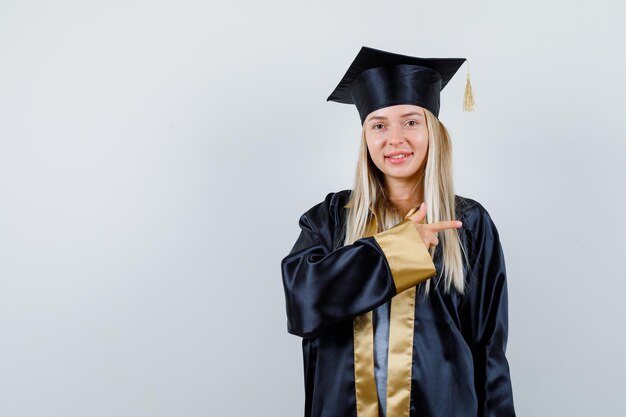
x,y
369,192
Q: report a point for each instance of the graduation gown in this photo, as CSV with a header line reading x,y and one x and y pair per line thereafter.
x,y
446,352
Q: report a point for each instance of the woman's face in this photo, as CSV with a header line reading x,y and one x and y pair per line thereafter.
x,y
397,139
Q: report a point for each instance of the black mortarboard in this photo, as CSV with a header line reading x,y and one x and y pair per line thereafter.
x,y
378,79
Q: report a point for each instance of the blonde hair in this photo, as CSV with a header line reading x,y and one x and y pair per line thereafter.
x,y
437,181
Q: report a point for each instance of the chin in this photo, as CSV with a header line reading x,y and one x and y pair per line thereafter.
x,y
401,171
400,175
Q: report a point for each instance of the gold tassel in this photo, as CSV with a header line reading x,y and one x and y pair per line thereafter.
x,y
468,97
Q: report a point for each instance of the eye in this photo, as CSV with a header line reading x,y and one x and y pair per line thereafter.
x,y
375,127
412,122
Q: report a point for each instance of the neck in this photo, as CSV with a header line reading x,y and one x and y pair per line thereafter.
x,y
405,193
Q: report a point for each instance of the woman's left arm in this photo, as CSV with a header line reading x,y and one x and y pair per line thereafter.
x,y
487,310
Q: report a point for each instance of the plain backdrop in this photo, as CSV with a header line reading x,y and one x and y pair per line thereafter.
x,y
155,157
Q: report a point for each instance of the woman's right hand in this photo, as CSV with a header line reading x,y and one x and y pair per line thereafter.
x,y
427,230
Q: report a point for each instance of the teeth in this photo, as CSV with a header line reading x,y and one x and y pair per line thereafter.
x,y
398,156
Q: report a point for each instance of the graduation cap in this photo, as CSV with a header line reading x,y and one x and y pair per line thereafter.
x,y
378,79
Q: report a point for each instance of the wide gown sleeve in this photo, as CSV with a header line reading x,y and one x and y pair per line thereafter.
x,y
488,309
324,286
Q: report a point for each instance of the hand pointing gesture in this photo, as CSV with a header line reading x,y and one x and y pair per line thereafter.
x,y
427,230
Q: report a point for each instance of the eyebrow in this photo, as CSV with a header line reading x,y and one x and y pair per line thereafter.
x,y
413,113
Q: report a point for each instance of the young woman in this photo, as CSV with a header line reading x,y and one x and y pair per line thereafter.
x,y
398,286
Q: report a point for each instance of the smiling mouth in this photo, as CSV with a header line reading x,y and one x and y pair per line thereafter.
x,y
399,159
400,156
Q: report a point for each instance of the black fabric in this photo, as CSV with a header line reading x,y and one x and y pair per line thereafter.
x,y
378,79
459,363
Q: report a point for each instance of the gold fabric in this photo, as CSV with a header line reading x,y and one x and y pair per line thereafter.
x,y
408,258
401,322
410,263
364,382
400,357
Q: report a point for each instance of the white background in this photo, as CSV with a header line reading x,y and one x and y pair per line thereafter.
x,y
155,157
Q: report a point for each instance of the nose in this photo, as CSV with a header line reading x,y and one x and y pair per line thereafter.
x,y
395,136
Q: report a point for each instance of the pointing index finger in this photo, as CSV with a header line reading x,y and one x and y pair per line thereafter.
x,y
443,225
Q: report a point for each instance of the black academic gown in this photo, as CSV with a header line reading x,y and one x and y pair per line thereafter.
x,y
458,364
